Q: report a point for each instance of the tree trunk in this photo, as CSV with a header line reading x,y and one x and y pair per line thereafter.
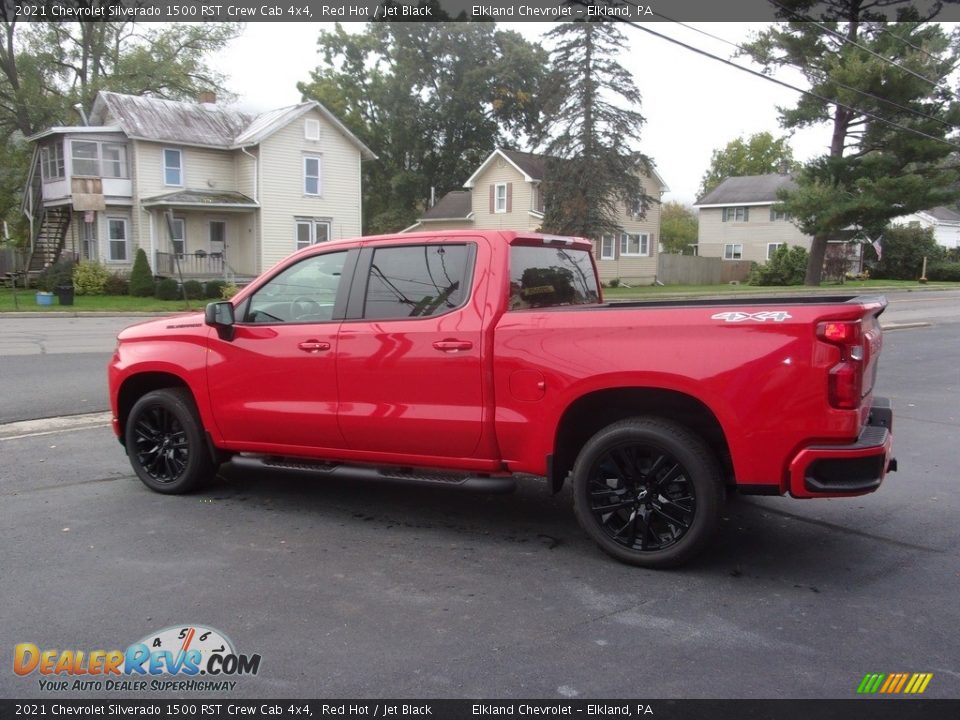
x,y
818,251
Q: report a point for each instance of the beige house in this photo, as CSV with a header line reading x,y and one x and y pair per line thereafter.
x,y
505,194
205,190
738,222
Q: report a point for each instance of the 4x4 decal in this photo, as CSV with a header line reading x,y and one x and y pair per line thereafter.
x,y
735,317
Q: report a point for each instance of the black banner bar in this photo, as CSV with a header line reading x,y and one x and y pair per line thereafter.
x,y
214,709
429,10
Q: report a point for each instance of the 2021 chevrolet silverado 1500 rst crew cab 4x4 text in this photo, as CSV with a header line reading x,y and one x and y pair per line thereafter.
x,y
464,358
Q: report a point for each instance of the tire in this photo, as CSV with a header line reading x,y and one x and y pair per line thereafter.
x,y
648,491
165,442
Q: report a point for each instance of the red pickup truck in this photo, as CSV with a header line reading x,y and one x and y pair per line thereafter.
x,y
465,358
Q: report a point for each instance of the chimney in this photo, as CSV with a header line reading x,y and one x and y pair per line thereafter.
x,y
784,167
207,97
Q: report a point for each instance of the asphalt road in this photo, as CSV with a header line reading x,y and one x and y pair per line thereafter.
x,y
371,590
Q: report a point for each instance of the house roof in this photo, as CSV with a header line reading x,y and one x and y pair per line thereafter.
x,y
455,205
747,190
943,214
204,124
221,199
76,130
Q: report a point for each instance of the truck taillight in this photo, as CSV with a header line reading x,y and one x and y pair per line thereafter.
x,y
845,379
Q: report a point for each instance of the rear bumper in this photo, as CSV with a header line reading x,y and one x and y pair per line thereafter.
x,y
847,470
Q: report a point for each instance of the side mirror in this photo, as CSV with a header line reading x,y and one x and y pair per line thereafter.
x,y
220,315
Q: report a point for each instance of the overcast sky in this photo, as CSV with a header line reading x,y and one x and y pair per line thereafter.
x,y
693,104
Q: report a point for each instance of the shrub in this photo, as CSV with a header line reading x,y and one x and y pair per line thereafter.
x,y
167,289
228,291
214,289
944,271
614,283
117,284
90,278
193,289
788,266
141,279
903,251
60,273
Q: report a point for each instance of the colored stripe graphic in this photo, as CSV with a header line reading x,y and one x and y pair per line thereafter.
x,y
894,683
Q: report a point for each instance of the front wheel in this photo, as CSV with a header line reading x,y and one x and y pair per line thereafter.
x,y
648,491
165,442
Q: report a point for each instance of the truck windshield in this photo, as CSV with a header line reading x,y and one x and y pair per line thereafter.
x,y
548,276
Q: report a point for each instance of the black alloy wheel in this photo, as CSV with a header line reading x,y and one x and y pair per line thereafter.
x,y
648,491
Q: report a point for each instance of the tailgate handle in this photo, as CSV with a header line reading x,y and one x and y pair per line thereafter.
x,y
452,345
312,346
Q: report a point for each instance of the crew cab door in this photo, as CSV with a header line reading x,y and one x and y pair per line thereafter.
x,y
409,353
273,385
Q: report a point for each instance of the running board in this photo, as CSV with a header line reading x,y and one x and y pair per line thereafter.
x,y
481,483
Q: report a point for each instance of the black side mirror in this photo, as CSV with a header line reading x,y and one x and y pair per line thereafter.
x,y
221,316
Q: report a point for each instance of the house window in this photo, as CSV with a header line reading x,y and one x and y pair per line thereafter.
x,y
218,236
638,207
311,231
117,239
311,176
172,167
178,236
51,162
772,249
89,235
776,215
732,251
85,158
608,247
635,244
500,198
536,199
114,163
311,129
736,214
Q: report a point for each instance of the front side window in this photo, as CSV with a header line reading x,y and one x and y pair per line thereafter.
x,y
636,244
311,176
172,167
417,281
117,239
303,293
732,251
543,276
85,158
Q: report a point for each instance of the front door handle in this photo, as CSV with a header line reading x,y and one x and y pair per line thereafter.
x,y
452,345
312,346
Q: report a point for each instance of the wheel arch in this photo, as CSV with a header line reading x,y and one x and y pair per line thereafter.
x,y
591,412
138,385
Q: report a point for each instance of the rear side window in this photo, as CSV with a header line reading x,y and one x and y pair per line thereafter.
x,y
417,281
547,276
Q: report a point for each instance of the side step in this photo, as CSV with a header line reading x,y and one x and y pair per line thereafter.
x,y
412,476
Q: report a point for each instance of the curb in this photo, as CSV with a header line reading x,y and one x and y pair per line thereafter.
x,y
905,326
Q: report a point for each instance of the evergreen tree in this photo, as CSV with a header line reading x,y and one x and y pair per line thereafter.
x,y
592,123
141,279
883,88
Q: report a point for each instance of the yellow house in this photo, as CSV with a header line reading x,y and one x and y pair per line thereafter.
x,y
505,194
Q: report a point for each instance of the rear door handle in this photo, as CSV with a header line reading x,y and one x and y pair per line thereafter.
x,y
452,345
312,346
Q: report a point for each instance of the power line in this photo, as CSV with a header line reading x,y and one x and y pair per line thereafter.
x,y
787,85
822,78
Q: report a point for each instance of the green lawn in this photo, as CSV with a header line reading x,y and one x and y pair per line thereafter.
x,y
850,287
95,303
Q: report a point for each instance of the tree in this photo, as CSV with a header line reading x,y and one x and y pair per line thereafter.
x,y
678,227
432,100
759,154
591,117
883,88
903,250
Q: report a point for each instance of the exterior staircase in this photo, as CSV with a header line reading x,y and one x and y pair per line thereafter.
x,y
49,237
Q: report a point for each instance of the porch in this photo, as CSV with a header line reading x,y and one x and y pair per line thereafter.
x,y
195,265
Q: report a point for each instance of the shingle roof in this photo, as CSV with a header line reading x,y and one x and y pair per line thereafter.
x,y
529,163
219,198
455,205
747,189
944,214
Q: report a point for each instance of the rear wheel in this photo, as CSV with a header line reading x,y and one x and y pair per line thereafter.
x,y
165,442
648,491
